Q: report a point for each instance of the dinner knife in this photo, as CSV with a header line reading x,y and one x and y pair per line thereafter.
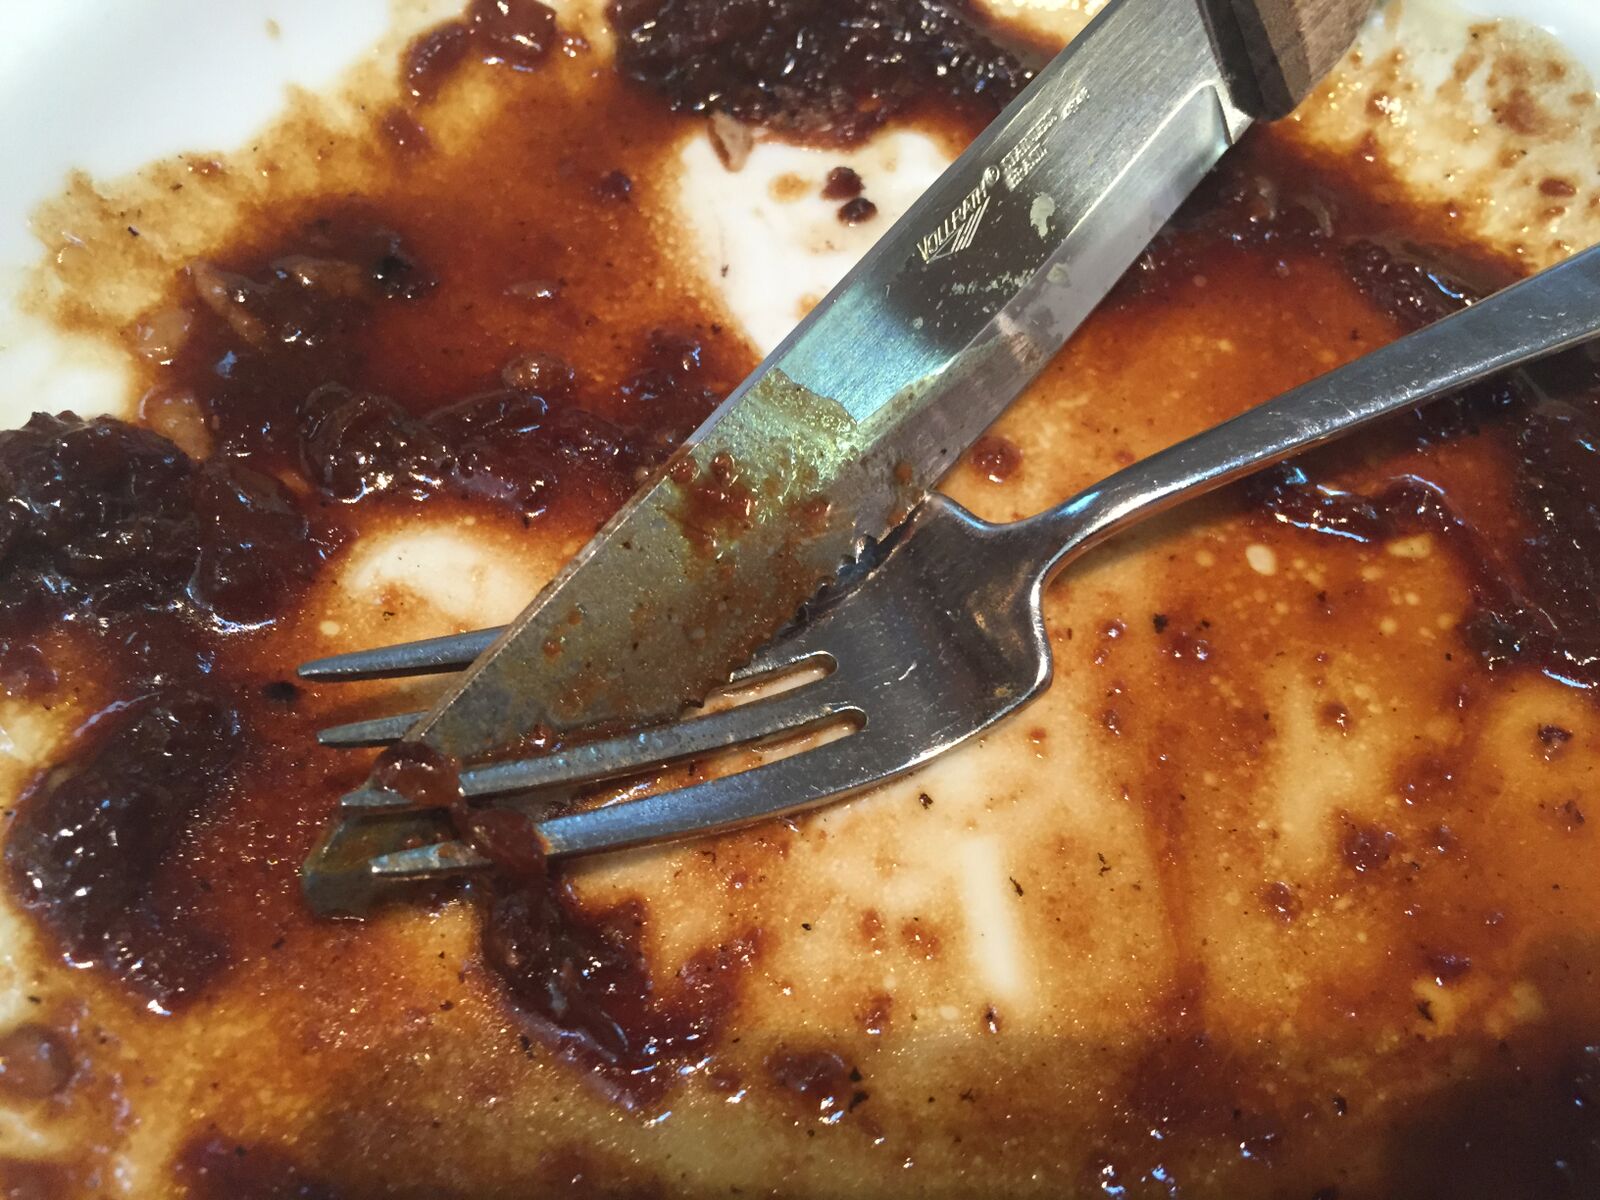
x,y
845,427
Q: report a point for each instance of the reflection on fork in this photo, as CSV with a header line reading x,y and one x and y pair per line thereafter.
x,y
934,640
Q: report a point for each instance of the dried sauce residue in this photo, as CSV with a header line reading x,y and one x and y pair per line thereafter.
x,y
718,504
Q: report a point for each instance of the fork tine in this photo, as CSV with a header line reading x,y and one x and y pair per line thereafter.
x,y
786,713
452,652
426,862
774,789
790,785
380,731
374,799
426,657
377,731
784,653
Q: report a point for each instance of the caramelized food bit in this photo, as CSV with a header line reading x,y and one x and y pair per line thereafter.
x,y
854,212
579,973
582,976
1416,292
95,522
732,140
842,184
996,458
515,33
159,336
539,375
88,847
111,530
254,545
355,445
1558,492
832,72
273,387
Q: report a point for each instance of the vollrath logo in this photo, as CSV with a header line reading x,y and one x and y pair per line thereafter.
x,y
955,232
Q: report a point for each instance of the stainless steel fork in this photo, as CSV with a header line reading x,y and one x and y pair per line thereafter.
x,y
941,635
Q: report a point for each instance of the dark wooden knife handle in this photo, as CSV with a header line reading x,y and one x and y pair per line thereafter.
x,y
1278,50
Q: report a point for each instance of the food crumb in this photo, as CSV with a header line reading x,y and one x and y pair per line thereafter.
x,y
842,183
854,212
995,458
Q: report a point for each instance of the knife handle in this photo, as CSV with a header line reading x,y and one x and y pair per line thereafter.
x,y
1276,51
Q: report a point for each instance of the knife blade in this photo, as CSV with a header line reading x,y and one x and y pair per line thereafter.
x,y
847,425
849,422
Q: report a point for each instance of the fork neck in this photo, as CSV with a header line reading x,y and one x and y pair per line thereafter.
x,y
1057,536
1551,311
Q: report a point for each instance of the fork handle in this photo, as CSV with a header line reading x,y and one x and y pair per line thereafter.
x,y
1551,311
